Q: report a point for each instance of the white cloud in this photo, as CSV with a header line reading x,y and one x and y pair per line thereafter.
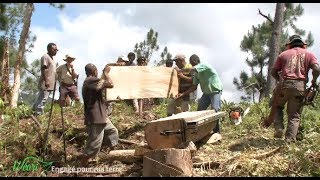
x,y
99,33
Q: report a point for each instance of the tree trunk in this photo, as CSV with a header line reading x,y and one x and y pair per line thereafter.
x,y
22,46
275,45
5,72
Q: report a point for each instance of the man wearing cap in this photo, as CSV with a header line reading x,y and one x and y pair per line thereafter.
x,y
100,129
182,103
47,78
210,84
291,73
67,77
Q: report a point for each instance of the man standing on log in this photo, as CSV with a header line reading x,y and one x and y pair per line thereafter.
x,y
99,127
47,78
210,84
182,103
67,78
294,64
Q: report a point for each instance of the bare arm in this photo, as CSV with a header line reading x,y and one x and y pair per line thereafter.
x,y
275,74
315,73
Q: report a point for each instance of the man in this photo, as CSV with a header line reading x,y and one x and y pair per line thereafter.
x,y
210,84
141,61
47,78
67,78
182,103
100,129
294,64
131,58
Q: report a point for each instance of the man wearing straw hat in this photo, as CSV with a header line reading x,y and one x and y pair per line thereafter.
x,y
67,78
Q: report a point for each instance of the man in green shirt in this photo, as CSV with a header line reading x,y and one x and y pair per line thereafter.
x,y
210,84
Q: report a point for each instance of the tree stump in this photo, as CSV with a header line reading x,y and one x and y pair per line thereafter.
x,y
167,162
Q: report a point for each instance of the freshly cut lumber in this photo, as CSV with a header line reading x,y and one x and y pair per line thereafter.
x,y
124,156
167,162
134,82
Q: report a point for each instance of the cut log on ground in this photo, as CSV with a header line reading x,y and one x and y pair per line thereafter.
x,y
171,131
167,162
124,156
140,151
131,142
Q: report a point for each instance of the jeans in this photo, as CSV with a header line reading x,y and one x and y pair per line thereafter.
x,y
214,100
98,135
40,103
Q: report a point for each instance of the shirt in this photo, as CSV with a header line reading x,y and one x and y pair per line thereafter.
x,y
47,61
295,63
64,75
208,79
183,84
94,106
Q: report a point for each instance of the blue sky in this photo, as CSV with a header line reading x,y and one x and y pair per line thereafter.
x,y
99,33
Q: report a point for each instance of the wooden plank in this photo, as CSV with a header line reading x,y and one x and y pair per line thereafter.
x,y
133,82
180,128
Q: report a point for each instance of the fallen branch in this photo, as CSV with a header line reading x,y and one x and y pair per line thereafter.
x,y
267,154
36,121
267,17
213,164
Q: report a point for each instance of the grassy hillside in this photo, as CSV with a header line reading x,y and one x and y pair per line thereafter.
x,y
245,150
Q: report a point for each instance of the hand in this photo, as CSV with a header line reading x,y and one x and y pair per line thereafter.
x,y
107,69
178,96
121,63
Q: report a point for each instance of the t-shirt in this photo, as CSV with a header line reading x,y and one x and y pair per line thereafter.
x,y
183,84
94,106
295,63
47,61
208,79
64,75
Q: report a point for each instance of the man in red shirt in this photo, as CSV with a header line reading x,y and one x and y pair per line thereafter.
x,y
291,73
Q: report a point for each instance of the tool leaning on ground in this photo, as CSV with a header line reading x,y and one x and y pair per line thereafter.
x,y
46,136
309,99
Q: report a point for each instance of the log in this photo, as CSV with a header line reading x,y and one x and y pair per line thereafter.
x,y
124,156
130,142
140,151
148,82
167,162
171,131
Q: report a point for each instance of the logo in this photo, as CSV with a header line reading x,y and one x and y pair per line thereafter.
x,y
31,163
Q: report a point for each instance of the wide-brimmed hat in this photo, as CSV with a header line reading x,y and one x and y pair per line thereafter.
x,y
69,57
295,38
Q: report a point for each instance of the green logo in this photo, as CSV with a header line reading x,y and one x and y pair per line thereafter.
x,y
31,163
